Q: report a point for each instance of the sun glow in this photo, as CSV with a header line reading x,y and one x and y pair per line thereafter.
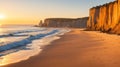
x,y
2,16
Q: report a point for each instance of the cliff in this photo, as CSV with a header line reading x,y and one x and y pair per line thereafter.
x,y
105,18
65,22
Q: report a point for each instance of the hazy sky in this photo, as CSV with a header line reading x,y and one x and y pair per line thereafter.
x,y
31,11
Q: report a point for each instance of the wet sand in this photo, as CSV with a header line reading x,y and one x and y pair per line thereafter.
x,y
78,49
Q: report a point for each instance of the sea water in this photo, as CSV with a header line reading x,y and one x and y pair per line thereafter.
x,y
20,42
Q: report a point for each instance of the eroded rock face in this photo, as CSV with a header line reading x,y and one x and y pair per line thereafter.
x,y
65,22
105,18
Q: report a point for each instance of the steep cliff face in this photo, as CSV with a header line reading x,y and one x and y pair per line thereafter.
x,y
64,22
105,18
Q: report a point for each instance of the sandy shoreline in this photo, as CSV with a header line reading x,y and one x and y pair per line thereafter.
x,y
77,49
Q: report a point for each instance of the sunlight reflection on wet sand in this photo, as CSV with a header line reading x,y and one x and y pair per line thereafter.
x,y
26,54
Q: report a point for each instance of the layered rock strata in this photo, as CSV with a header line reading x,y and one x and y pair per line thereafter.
x,y
105,18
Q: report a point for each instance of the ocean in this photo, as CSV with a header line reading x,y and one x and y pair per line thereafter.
x,y
20,42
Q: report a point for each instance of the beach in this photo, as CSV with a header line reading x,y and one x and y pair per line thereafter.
x,y
59,33
77,48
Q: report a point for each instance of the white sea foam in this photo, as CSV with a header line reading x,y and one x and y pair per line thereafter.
x,y
25,43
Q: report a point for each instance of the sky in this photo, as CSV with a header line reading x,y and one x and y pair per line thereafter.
x,y
32,11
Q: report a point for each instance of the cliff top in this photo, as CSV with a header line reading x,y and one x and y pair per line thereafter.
x,y
104,4
64,18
